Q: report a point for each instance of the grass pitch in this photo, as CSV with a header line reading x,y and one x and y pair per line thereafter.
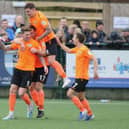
x,y
62,114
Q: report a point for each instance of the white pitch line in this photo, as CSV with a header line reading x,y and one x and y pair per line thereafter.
x,y
94,103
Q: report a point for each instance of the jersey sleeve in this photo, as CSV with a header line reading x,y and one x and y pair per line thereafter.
x,y
44,20
36,45
14,46
73,50
88,54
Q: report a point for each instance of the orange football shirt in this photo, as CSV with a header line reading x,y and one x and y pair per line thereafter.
x,y
38,62
26,59
83,57
40,22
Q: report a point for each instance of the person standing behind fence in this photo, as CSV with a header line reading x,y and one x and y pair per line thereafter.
x,y
19,21
77,92
45,34
86,30
4,25
100,30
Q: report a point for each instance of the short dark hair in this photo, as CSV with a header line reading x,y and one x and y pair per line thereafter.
x,y
81,37
30,6
3,20
99,22
94,31
32,27
25,28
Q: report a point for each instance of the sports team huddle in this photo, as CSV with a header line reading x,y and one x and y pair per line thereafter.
x,y
37,49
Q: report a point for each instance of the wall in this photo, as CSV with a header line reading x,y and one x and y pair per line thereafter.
x,y
54,93
55,15
111,10
6,7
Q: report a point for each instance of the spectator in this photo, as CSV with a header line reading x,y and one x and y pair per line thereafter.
x,y
94,39
71,31
19,21
115,37
125,35
4,38
77,22
100,30
77,30
61,35
86,30
63,24
6,28
18,32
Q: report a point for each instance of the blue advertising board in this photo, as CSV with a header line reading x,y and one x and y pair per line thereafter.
x,y
7,62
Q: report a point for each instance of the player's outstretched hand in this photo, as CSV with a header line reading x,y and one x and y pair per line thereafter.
x,y
46,69
96,76
33,50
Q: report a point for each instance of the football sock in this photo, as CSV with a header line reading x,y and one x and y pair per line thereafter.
x,y
85,103
34,96
41,100
12,102
78,104
59,69
26,99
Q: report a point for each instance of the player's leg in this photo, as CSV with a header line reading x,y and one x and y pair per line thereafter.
x,y
39,78
15,82
77,88
12,102
41,96
25,97
34,94
85,102
24,86
51,47
32,90
72,95
81,95
56,65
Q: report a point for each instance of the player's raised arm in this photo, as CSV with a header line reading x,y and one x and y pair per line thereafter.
x,y
95,67
65,48
47,31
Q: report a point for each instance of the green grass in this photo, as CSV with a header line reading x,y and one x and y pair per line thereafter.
x,y
63,115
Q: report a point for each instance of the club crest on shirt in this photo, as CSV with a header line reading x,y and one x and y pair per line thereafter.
x,y
89,53
29,45
43,23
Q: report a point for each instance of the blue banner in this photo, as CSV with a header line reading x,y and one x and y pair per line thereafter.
x,y
5,72
7,62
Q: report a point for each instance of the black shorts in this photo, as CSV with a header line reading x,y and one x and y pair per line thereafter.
x,y
51,46
21,78
39,75
79,85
